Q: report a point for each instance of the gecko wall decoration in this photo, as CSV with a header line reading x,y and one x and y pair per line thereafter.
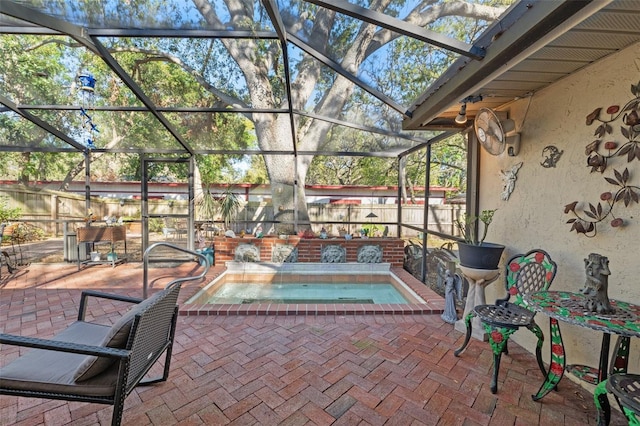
x,y
551,156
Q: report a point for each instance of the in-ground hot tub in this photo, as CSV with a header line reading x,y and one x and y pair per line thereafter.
x,y
312,288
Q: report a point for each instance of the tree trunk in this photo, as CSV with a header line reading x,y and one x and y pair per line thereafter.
x,y
79,167
402,176
71,174
24,173
273,132
286,175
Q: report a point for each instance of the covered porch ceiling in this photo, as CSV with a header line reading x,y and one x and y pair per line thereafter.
x,y
530,48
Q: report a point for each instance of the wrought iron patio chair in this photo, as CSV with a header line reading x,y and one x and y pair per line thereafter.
x,y
526,273
626,390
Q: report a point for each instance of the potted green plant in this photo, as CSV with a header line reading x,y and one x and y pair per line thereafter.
x,y
474,252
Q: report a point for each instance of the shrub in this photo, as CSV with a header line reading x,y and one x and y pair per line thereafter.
x,y
8,214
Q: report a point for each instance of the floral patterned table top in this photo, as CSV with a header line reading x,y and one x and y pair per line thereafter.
x,y
566,306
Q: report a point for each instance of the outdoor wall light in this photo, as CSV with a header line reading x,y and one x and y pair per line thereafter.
x,y
461,118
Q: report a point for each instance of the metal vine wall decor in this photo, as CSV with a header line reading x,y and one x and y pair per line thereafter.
x,y
586,219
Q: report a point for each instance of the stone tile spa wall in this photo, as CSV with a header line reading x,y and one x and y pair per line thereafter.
x,y
309,248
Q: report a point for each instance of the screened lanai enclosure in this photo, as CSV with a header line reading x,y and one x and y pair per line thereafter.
x,y
283,94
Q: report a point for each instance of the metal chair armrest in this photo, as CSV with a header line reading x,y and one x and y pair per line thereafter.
x,y
56,345
92,293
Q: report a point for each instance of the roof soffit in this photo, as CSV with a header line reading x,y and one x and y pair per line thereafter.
x,y
512,67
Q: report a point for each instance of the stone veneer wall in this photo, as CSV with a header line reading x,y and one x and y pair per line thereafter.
x,y
309,248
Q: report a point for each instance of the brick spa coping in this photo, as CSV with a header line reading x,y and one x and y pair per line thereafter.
x,y
434,304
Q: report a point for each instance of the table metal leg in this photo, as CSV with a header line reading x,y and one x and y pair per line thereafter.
x,y
595,375
621,360
619,365
600,393
558,361
602,404
603,367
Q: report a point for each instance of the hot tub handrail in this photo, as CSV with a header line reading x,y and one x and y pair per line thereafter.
x,y
145,261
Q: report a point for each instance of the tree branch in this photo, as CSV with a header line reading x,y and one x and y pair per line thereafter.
x,y
426,13
165,57
52,41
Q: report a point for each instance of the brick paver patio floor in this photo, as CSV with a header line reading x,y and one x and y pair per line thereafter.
x,y
287,370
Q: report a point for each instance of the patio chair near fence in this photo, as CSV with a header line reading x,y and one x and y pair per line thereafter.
x,y
174,229
12,254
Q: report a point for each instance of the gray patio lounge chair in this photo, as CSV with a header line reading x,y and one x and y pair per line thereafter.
x,y
97,363
92,362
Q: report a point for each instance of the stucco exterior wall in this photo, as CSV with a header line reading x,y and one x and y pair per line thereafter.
x,y
534,216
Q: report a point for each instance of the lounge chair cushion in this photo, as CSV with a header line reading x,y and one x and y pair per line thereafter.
x,y
117,337
52,371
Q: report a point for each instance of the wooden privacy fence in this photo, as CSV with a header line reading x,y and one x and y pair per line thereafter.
x,y
52,209
353,216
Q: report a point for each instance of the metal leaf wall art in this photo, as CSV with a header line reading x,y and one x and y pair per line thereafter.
x,y
599,154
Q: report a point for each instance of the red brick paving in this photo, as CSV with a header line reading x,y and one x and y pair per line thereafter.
x,y
286,370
